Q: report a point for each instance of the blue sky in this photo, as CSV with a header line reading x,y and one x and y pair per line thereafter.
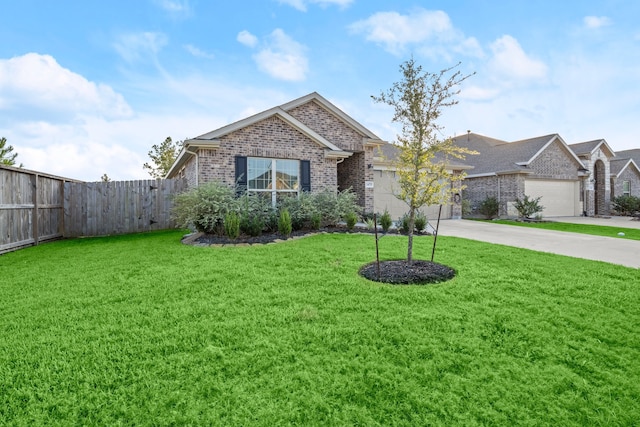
x,y
87,87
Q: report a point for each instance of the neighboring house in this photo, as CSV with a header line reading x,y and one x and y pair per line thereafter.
x,y
539,167
307,144
625,174
386,187
596,156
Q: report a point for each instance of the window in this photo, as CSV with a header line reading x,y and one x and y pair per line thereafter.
x,y
626,188
274,177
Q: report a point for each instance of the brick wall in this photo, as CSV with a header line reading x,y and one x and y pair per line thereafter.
x,y
555,163
631,175
328,126
271,138
505,188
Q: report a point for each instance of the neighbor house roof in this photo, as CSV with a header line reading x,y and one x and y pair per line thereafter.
x,y
617,166
388,152
589,147
497,157
630,154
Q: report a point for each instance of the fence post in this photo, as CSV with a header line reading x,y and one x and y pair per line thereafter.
x,y
34,215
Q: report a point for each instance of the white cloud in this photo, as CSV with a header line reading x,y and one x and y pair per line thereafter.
x,y
396,32
38,84
247,39
197,52
301,5
282,57
177,8
596,21
136,46
510,61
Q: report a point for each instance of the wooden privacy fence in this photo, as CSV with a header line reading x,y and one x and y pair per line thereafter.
x,y
103,208
37,207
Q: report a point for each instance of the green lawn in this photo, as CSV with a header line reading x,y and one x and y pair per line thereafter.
x,y
595,230
141,330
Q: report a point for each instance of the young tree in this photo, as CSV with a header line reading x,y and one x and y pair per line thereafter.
x,y
6,156
162,156
421,163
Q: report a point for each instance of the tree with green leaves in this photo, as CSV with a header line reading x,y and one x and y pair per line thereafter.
x,y
422,160
162,157
7,157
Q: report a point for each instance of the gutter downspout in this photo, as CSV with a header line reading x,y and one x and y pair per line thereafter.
x,y
498,177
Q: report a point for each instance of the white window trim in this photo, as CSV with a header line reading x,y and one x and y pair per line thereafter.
x,y
274,175
626,192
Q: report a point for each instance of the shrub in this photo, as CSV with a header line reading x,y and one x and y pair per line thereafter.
x,y
300,208
527,207
626,205
466,208
420,221
370,223
489,207
333,206
204,207
252,224
351,220
284,224
232,225
403,224
316,220
385,221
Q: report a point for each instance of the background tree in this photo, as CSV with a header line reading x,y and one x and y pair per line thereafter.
x,y
162,157
105,178
6,156
421,163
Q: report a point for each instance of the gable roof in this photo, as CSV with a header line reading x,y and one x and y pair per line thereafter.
x,y
617,166
590,147
275,111
331,108
390,151
630,154
501,157
211,139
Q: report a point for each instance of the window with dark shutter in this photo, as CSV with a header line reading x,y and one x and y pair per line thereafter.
x,y
305,175
241,174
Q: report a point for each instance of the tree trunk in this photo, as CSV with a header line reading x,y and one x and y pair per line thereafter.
x,y
412,220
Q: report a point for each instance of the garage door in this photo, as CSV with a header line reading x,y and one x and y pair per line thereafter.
x,y
559,198
384,183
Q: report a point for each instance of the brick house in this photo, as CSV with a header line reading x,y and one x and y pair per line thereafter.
x,y
625,173
544,166
307,144
572,180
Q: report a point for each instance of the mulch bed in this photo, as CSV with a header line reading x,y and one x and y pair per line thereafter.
x,y
214,239
399,272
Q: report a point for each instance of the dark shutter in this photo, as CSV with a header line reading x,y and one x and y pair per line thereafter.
x,y
305,175
241,174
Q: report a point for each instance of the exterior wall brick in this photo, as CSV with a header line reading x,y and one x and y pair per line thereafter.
x,y
271,138
328,126
604,205
555,163
505,188
631,175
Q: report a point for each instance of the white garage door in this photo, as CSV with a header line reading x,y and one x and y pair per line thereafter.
x,y
384,183
559,198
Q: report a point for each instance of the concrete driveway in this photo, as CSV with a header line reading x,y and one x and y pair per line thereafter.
x,y
608,249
